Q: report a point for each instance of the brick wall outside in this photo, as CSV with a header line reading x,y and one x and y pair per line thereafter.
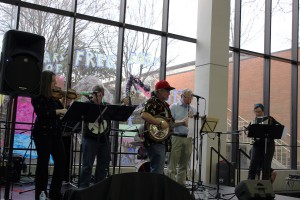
x,y
251,87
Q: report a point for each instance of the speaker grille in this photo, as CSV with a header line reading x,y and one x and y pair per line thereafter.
x,y
22,74
21,63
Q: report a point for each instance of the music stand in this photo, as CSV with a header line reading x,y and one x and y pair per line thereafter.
x,y
81,112
117,113
265,131
208,126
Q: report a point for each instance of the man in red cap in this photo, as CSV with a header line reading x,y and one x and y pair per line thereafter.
x,y
154,107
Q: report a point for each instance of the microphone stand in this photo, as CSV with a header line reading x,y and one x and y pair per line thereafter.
x,y
100,123
196,126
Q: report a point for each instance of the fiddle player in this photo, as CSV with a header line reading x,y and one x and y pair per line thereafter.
x,y
47,136
155,106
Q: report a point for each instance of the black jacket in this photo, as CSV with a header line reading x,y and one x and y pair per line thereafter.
x,y
46,122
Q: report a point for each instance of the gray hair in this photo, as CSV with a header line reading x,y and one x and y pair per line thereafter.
x,y
185,91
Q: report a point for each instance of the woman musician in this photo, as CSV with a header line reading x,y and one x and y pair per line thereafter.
x,y
47,136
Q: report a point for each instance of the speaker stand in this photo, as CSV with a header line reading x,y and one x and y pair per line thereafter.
x,y
14,102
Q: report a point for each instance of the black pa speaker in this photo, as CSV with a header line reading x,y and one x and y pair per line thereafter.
x,y
226,174
21,63
254,190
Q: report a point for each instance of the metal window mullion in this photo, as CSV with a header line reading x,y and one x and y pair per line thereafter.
x,y
164,40
294,86
115,139
267,61
235,82
71,44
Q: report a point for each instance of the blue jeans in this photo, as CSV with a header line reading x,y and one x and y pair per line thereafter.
x,y
90,149
157,156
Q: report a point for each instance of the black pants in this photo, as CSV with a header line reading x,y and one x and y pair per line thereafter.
x,y
67,145
260,158
47,145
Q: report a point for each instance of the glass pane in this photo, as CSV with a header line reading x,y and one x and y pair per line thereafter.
x,y
230,91
180,67
24,118
55,29
183,17
250,91
59,4
252,25
180,77
280,106
298,111
141,61
229,105
281,32
232,16
147,14
180,52
94,62
299,38
7,22
107,9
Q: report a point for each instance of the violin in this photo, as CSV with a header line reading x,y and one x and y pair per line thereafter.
x,y
58,93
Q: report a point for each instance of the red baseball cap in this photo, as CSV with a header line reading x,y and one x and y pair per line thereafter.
x,y
163,85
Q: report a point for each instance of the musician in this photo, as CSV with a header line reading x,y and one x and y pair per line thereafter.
x,y
155,106
47,136
258,155
181,143
95,144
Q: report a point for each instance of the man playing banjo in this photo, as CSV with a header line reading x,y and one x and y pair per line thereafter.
x,y
157,116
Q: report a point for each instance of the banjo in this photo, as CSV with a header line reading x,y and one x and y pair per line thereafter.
x,y
156,133
99,127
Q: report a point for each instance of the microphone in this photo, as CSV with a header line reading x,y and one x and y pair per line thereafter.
x,y
86,93
197,96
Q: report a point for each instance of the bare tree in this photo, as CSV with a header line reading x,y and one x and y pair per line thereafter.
x,y
141,50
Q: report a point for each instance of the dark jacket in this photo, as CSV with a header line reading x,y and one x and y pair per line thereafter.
x,y
46,122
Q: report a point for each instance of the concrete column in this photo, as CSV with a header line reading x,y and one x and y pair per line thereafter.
x,y
211,80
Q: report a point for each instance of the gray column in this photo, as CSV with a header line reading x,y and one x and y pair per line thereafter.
x,y
211,80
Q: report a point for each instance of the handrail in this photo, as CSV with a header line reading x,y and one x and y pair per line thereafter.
x,y
239,164
218,153
280,152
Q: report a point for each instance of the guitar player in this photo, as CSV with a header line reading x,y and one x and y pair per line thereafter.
x,y
157,106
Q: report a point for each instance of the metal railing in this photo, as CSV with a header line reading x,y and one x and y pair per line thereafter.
x,y
282,151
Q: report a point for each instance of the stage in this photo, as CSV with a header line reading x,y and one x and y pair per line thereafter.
x,y
25,191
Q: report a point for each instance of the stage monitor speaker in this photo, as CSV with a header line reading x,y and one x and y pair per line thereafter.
x,y
227,174
254,190
21,63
